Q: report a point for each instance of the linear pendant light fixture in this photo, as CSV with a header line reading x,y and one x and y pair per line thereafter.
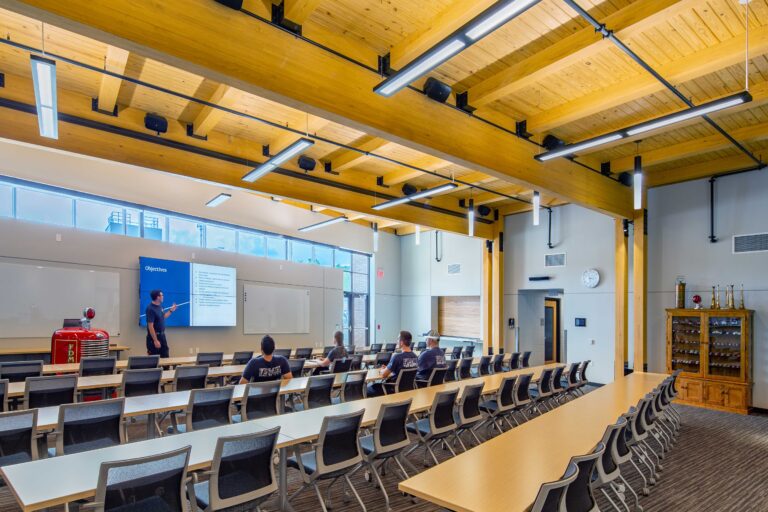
x,y
375,227
283,156
44,80
329,222
677,117
471,218
471,32
637,183
418,195
536,207
216,201
417,239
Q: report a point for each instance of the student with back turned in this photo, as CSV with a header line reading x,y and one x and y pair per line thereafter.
x,y
337,352
431,358
401,361
266,366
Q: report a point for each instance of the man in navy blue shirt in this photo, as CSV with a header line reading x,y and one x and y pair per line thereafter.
x,y
431,358
267,366
155,315
337,352
400,361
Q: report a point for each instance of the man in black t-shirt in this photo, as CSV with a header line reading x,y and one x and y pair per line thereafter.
x,y
400,361
267,366
431,358
337,352
155,316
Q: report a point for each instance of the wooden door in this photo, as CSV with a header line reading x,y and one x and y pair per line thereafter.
x,y
691,390
551,330
714,393
735,397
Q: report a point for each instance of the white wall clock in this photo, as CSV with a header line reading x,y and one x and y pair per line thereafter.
x,y
590,278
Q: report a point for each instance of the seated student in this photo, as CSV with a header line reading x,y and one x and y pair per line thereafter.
x,y
431,358
337,352
402,360
267,366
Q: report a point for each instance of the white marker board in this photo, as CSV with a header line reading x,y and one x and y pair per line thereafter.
x,y
37,298
275,309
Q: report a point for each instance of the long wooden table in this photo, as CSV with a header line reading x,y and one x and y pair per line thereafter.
x,y
82,469
505,473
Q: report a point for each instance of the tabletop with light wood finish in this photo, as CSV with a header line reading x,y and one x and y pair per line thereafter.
x,y
505,473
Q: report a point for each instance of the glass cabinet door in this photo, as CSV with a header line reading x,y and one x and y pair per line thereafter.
x,y
686,344
725,347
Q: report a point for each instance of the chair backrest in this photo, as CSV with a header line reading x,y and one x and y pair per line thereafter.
x,y
342,365
4,383
262,399
318,391
351,349
465,368
437,376
469,350
389,433
485,365
456,352
337,446
583,373
303,353
607,465
544,385
156,482
143,362
210,358
18,371
498,363
451,365
242,357
551,497
522,396
469,404
382,358
327,350
526,359
441,418
505,395
376,348
17,437
406,379
579,496
573,375
90,425
141,382
90,366
296,366
390,347
284,352
242,470
514,361
357,362
557,379
50,390
190,377
209,407
620,450
422,345
354,386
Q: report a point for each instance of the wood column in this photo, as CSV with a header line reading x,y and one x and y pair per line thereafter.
x,y
486,299
621,300
497,284
639,282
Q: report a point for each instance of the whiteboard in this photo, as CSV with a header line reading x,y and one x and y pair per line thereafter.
x,y
275,309
37,298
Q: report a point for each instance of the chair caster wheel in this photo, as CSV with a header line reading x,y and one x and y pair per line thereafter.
x,y
646,491
367,476
660,467
652,481
639,509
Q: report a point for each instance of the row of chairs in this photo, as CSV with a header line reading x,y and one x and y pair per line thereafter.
x,y
639,440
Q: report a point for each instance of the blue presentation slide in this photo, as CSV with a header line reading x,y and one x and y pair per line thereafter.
x,y
205,295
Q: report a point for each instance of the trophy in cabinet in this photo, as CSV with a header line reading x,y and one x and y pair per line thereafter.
x,y
741,298
729,297
717,298
713,303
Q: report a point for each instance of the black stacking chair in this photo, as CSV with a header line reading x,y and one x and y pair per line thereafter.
x,y
296,366
497,363
341,365
327,350
89,426
468,414
336,455
242,474
242,357
437,425
141,382
456,352
558,390
543,392
514,361
572,379
50,390
583,380
501,407
92,366
523,401
406,381
387,442
376,348
143,362
607,468
303,353
357,362
190,377
390,347
526,359
353,387
207,408
285,352
484,368
436,378
260,400
318,392
551,497
579,496
422,345
465,368
18,440
18,371
450,365
156,482
210,358
4,395
382,359
351,349
469,351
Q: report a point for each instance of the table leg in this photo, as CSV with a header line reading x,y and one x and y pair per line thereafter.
x,y
151,425
283,475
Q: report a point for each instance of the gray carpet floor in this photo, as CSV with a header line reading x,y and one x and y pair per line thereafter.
x,y
720,463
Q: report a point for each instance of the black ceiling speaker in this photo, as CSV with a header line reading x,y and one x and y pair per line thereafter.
x,y
625,179
483,210
409,189
232,4
156,123
306,163
437,90
551,142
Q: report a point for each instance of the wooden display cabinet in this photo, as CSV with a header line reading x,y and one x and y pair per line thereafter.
x,y
713,348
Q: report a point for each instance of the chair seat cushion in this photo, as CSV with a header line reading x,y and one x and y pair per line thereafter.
x,y
236,418
420,426
489,406
335,400
366,443
309,461
202,495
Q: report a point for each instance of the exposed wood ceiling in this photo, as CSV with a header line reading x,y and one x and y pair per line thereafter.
x,y
548,67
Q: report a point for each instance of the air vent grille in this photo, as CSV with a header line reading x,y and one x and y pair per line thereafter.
x,y
454,268
750,243
554,260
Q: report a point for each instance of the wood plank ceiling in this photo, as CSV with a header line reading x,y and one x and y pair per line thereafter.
x,y
547,67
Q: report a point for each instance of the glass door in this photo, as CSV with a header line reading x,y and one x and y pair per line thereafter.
x,y
686,344
725,347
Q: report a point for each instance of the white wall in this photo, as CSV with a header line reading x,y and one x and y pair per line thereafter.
x,y
385,321
678,245
587,238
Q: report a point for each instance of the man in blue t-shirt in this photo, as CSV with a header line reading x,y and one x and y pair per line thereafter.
x,y
337,352
431,358
267,366
400,361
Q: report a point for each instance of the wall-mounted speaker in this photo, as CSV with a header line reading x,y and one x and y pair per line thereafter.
x,y
306,163
156,123
551,142
483,210
437,90
409,189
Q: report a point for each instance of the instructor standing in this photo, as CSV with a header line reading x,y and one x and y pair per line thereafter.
x,y
156,342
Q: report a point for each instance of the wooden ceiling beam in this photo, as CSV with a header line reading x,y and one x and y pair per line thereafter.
x,y
342,159
261,7
209,39
695,65
208,117
657,178
580,45
115,61
403,174
299,10
283,138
